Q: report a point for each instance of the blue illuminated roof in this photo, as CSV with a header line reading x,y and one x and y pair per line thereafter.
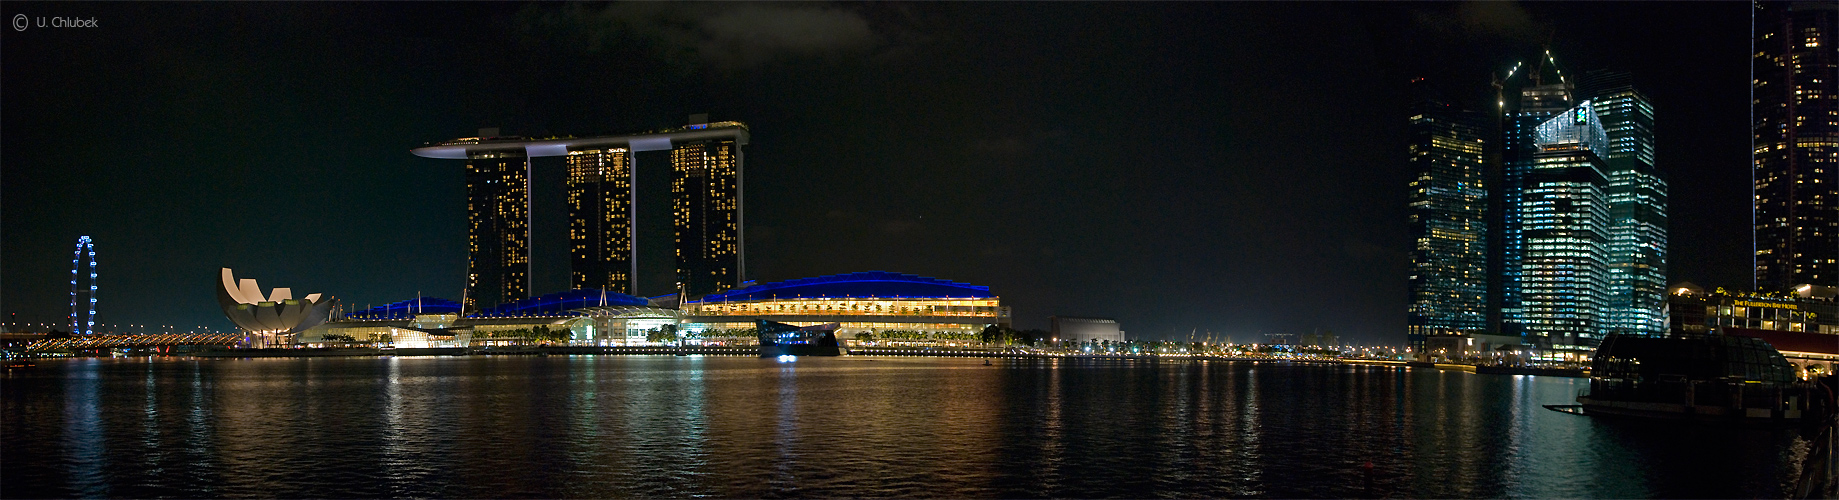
x,y
557,303
876,284
408,309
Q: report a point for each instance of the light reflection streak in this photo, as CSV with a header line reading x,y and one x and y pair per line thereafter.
x,y
1053,443
786,430
696,420
198,423
1251,475
83,429
150,424
395,440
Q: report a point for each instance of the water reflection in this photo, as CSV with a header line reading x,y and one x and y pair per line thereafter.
x,y
741,427
83,431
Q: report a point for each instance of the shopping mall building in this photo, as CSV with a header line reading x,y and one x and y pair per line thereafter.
x,y
888,308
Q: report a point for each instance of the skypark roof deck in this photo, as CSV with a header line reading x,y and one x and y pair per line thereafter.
x,y
458,149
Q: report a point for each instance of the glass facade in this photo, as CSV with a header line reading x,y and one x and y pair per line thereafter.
x,y
1448,226
1537,103
498,227
600,192
706,206
1563,223
1795,113
1637,250
1564,268
1637,204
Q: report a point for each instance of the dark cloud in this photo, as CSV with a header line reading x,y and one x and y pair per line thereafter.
x,y
722,36
1507,21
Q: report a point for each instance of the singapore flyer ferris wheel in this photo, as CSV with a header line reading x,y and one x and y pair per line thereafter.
x,y
78,323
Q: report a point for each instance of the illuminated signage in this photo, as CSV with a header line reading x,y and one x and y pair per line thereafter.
x,y
1583,112
1766,304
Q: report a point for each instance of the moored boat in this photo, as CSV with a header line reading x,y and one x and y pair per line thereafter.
x,y
780,339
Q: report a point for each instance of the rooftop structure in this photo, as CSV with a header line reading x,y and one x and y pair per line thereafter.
x,y
463,148
863,284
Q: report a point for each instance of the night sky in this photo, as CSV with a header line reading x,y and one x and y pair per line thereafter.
x,y
1228,167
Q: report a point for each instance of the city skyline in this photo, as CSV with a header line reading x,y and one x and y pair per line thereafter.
x,y
1161,191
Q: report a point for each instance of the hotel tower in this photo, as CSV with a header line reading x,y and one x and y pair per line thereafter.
x,y
706,205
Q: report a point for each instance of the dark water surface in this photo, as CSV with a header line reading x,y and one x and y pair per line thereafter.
x,y
623,426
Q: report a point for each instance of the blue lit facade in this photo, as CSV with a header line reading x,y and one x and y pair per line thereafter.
x,y
1519,163
406,309
1448,289
1563,215
561,304
1637,205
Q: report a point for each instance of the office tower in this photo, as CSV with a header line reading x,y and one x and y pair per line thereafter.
x,y
1795,148
1536,104
600,219
1637,204
706,208
1449,268
1564,222
498,227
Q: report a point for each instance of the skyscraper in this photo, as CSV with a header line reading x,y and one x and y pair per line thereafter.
x,y
1564,229
1637,204
1536,104
600,219
1448,224
497,226
1795,148
706,201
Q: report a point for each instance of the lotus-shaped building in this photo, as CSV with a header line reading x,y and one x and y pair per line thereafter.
x,y
279,313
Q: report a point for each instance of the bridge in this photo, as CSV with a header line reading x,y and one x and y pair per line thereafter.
x,y
79,342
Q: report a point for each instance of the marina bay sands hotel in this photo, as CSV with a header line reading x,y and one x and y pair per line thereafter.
x,y
706,200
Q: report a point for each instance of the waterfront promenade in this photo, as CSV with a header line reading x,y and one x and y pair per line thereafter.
x,y
217,351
